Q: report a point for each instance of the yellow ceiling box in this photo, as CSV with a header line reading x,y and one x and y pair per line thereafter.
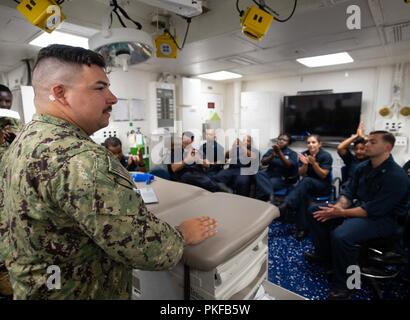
x,y
166,47
45,14
256,22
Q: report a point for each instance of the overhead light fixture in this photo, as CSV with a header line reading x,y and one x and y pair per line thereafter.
x,y
122,47
220,75
326,60
59,37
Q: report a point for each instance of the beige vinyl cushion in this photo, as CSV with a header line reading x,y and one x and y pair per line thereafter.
x,y
240,219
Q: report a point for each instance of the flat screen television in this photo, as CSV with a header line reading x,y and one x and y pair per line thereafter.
x,y
333,116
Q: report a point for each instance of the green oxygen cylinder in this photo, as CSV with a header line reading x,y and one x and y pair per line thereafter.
x,y
138,147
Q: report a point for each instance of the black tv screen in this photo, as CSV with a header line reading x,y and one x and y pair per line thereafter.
x,y
332,116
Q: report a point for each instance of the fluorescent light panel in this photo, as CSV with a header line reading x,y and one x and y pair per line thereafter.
x,y
326,60
58,37
220,75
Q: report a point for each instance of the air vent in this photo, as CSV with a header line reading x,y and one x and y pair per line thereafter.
x,y
243,61
398,33
330,3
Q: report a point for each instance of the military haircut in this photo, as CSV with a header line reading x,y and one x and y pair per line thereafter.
x,y
112,141
386,136
61,64
3,88
69,54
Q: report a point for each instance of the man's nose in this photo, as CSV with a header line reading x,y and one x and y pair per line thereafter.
x,y
112,98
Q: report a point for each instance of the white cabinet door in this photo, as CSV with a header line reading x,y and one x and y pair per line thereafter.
x,y
194,117
261,111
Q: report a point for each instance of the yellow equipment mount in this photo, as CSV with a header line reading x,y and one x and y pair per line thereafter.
x,y
256,22
45,14
166,47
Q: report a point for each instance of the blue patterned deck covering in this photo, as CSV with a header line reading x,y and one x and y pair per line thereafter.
x,y
288,269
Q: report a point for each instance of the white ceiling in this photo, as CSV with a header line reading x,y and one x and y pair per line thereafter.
x,y
215,38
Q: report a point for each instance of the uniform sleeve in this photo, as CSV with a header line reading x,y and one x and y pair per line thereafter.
x,y
96,191
3,226
406,166
3,149
14,125
267,153
388,197
347,158
326,161
350,188
300,163
294,159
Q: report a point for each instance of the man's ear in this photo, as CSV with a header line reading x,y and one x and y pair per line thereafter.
x,y
389,147
57,94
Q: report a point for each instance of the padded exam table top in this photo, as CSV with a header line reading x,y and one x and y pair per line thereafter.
x,y
240,219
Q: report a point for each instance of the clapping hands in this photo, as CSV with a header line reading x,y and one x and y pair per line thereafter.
x,y
276,149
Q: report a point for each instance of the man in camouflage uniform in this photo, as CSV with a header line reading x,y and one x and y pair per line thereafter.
x,y
9,127
68,202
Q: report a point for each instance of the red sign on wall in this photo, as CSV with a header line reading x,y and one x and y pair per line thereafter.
x,y
211,105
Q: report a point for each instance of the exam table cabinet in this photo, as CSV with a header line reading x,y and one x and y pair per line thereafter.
x,y
231,265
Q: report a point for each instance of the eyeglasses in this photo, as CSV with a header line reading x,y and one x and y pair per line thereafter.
x,y
283,139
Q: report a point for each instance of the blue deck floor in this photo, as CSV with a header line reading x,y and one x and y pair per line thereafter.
x,y
288,269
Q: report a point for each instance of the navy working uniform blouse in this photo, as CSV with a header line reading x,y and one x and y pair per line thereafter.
x,y
382,192
277,167
351,163
325,161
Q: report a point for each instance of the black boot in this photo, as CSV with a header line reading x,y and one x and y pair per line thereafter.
x,y
283,209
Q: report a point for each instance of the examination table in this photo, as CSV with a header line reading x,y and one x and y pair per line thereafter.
x,y
231,265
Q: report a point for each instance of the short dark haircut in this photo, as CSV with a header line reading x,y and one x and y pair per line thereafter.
x,y
189,134
316,136
113,142
359,140
287,135
69,54
3,88
386,136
